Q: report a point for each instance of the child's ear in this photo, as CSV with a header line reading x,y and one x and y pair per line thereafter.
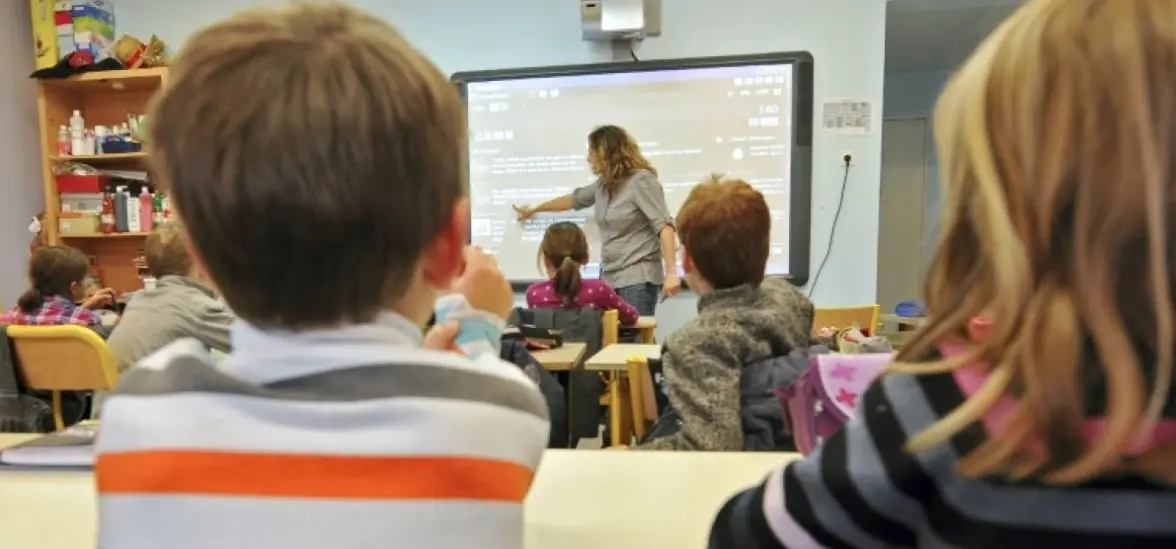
x,y
687,263
442,260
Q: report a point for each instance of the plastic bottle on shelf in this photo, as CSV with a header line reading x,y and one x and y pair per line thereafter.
x,y
146,211
77,134
77,142
99,138
157,208
107,216
120,209
89,143
133,222
76,122
64,146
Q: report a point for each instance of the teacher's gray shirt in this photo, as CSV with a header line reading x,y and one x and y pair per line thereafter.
x,y
629,222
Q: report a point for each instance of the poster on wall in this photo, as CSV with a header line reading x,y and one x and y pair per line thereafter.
x,y
847,117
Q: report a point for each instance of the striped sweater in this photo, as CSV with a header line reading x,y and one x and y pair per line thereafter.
x,y
860,489
348,438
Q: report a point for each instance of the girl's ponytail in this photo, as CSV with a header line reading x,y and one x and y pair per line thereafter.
x,y
567,280
30,300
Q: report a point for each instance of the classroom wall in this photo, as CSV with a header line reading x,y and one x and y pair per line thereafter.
x,y
20,166
913,95
846,37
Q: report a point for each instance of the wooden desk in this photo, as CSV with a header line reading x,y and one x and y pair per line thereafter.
x,y
562,359
646,326
614,357
580,499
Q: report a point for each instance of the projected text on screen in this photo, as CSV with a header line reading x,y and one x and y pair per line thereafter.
x,y
528,143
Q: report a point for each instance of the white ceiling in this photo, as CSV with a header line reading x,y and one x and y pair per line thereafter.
x,y
936,35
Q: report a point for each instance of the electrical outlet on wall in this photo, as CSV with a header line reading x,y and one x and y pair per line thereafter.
x,y
845,158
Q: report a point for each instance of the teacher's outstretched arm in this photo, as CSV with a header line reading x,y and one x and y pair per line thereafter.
x,y
582,197
651,200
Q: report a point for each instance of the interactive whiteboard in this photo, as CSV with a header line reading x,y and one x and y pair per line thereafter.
x,y
749,117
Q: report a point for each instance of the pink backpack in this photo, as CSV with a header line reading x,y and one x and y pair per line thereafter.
x,y
824,397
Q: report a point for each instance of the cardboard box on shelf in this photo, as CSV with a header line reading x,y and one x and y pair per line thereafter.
x,y
81,202
61,27
74,183
78,224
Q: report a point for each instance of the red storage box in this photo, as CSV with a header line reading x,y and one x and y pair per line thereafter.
x,y
84,184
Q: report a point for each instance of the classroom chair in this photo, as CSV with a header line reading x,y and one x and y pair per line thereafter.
x,y
865,316
62,358
610,332
581,325
642,409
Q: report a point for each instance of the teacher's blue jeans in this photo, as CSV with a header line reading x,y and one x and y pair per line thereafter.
x,y
641,296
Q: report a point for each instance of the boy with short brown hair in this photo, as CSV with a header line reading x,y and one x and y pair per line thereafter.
x,y
180,305
743,318
316,159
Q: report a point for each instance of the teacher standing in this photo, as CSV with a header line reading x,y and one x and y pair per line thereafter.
x,y
636,229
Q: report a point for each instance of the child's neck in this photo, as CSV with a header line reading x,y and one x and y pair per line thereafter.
x,y
700,287
416,305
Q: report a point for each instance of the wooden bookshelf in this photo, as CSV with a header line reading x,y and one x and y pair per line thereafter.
x,y
104,98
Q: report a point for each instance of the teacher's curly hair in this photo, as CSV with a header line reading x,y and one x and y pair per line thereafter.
x,y
614,156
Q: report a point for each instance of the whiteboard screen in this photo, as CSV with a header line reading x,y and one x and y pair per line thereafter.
x,y
528,144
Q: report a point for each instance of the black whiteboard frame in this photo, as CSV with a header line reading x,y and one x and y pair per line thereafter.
x,y
800,216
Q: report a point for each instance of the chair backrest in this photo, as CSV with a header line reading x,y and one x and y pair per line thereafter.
x,y
582,325
642,402
63,358
865,316
610,328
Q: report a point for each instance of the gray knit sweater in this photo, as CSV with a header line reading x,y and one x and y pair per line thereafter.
x,y
702,361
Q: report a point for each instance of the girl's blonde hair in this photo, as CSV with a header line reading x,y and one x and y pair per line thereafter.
x,y
1057,142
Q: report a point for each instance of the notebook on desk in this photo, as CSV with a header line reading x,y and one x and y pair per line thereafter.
x,y
70,447
546,338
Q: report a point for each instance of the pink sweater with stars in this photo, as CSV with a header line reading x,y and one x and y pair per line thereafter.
x,y
593,293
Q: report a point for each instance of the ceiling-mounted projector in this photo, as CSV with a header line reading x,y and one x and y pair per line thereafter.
x,y
610,20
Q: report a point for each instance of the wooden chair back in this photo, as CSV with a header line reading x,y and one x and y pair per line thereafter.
x,y
643,404
62,358
865,316
610,331
610,324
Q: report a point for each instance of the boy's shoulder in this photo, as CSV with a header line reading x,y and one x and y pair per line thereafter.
x,y
175,293
186,366
783,292
698,332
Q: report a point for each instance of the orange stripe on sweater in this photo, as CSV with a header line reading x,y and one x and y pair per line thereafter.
x,y
311,476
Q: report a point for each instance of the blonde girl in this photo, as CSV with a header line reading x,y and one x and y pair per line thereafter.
x,y
1053,428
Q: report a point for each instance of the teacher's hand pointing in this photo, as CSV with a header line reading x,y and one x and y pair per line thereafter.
x,y
671,286
524,212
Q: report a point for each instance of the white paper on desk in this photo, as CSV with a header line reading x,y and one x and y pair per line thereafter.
x,y
71,447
